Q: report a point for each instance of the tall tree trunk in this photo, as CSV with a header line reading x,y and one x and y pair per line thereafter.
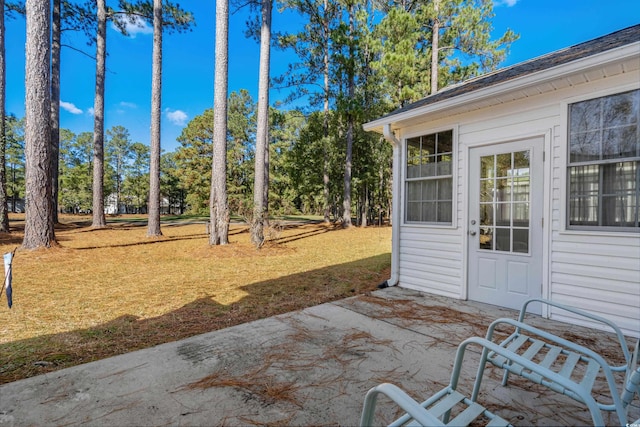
x,y
365,208
55,105
265,192
4,206
435,42
218,204
39,226
325,119
156,110
99,220
346,216
262,133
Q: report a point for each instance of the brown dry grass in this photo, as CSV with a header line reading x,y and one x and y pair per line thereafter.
x,y
110,291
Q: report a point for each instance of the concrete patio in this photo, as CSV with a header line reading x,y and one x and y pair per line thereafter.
x,y
311,367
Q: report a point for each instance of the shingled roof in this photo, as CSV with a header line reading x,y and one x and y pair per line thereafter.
x,y
601,44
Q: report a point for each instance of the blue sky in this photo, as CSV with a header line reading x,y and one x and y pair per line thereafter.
x,y
544,26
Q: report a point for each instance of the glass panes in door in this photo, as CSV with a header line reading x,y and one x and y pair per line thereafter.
x,y
505,202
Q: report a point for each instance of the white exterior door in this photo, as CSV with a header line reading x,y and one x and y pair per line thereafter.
x,y
505,222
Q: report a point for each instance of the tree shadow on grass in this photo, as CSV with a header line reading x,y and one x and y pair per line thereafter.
x,y
25,358
276,239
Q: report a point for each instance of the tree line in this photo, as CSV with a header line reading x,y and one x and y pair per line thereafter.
x,y
356,60
185,172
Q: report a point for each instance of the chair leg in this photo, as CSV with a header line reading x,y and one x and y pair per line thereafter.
x,y
505,377
479,375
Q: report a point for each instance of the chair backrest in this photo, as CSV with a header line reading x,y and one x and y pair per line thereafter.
x,y
587,315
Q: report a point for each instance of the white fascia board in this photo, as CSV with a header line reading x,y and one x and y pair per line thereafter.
x,y
530,80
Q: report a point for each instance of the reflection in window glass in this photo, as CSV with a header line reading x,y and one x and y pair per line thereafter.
x,y
429,189
429,179
486,238
487,166
521,163
603,174
503,214
503,165
486,190
520,241
486,214
429,209
445,211
502,191
521,189
503,239
520,214
504,202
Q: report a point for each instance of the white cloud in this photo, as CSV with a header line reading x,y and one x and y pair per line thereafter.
x,y
128,104
135,27
70,107
90,111
507,3
177,117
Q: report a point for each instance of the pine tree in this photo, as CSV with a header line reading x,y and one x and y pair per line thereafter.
x,y
218,203
153,229
39,225
261,175
4,210
99,220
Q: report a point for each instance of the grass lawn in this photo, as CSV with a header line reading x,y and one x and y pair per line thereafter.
x,y
105,292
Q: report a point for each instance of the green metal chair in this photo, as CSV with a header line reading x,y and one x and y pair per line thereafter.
x,y
450,407
578,364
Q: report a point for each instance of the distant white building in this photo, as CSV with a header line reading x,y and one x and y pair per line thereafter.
x,y
112,207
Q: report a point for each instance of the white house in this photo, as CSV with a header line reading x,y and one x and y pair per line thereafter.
x,y
525,182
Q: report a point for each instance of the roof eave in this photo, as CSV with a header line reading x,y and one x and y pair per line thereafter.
x,y
598,60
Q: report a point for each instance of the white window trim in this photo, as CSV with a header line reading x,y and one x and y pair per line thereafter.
x,y
563,159
454,175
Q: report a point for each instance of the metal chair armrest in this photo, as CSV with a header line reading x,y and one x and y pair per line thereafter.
x,y
621,339
402,399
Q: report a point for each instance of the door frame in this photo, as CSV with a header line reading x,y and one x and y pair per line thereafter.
x,y
547,136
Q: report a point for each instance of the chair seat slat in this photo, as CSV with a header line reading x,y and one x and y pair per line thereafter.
x,y
552,355
533,349
516,343
446,403
549,359
513,343
590,375
569,364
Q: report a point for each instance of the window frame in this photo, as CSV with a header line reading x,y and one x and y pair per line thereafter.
x,y
599,163
453,175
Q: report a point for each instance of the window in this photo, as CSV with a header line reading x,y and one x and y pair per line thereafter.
x,y
603,175
429,179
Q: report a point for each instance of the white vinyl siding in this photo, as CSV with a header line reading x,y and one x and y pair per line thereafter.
x,y
431,259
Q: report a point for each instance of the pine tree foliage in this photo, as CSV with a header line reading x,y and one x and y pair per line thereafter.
x,y
356,60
